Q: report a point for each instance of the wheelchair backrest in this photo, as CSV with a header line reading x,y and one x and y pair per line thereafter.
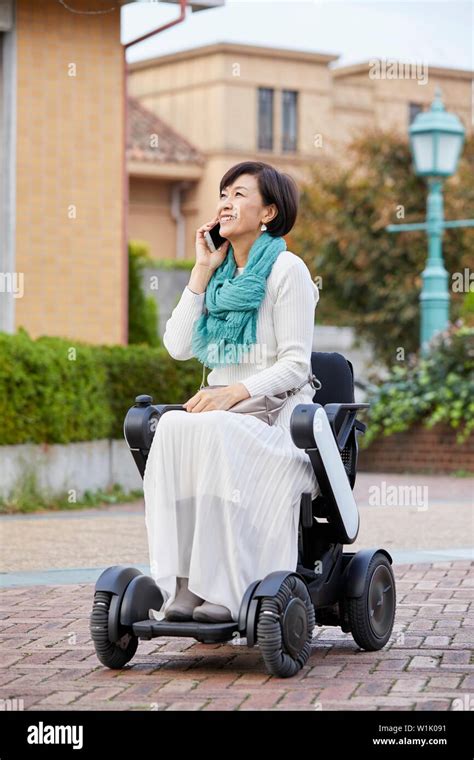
x,y
336,376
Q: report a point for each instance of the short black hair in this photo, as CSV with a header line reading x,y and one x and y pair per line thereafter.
x,y
275,187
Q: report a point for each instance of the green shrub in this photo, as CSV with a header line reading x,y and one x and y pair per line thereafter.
x,y
51,390
435,388
187,264
467,310
142,309
133,370
58,390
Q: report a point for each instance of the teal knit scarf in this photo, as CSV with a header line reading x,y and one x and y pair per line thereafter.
x,y
230,325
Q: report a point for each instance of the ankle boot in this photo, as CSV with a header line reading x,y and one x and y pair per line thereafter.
x,y
184,603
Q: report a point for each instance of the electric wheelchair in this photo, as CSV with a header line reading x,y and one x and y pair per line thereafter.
x,y
278,613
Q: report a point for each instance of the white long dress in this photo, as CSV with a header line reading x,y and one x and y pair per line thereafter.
x,y
222,490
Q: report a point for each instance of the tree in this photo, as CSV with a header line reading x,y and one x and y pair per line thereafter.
x,y
371,279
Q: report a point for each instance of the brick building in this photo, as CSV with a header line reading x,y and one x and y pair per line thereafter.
x,y
62,150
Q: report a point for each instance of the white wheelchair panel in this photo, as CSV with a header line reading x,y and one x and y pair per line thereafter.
x,y
337,476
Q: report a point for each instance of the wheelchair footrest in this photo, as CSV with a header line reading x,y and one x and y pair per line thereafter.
x,y
208,632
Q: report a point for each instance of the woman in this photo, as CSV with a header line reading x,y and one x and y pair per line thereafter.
x,y
222,490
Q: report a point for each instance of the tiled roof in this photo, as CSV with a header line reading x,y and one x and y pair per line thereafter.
x,y
143,127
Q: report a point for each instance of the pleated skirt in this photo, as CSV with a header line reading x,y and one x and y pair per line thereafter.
x,y
222,499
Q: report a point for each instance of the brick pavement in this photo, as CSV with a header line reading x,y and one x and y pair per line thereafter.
x,y
48,662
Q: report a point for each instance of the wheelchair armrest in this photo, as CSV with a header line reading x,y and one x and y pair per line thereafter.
x,y
140,425
342,419
141,420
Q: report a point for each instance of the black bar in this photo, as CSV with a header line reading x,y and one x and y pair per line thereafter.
x,y
147,733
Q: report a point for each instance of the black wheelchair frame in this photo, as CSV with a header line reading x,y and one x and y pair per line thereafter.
x,y
328,587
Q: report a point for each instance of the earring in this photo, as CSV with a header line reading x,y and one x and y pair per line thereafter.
x,y
263,227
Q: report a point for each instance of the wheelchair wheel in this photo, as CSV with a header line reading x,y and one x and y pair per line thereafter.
x,y
285,628
113,655
371,615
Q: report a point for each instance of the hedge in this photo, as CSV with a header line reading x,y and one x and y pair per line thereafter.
x,y
59,390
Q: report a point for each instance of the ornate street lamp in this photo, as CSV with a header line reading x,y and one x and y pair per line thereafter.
x,y
436,140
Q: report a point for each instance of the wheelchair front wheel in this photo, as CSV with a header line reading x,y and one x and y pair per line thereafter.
x,y
285,628
111,654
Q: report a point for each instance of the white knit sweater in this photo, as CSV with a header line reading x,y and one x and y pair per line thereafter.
x,y
280,359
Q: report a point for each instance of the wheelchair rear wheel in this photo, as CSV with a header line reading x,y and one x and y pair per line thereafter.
x,y
112,654
371,616
285,628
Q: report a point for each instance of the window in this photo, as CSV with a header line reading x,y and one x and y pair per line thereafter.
x,y
265,118
289,120
414,109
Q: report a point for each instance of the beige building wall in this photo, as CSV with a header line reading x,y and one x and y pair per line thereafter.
x,y
151,219
210,95
150,216
362,102
70,159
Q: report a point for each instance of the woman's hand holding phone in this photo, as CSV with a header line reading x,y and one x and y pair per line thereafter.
x,y
204,256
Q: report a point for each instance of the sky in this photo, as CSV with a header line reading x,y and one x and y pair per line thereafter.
x,y
436,33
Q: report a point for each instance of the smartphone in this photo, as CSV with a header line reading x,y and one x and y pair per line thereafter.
x,y
213,238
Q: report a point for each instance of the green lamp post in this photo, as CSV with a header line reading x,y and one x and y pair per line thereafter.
x,y
436,140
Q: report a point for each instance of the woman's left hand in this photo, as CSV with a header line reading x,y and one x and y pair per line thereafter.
x,y
208,399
